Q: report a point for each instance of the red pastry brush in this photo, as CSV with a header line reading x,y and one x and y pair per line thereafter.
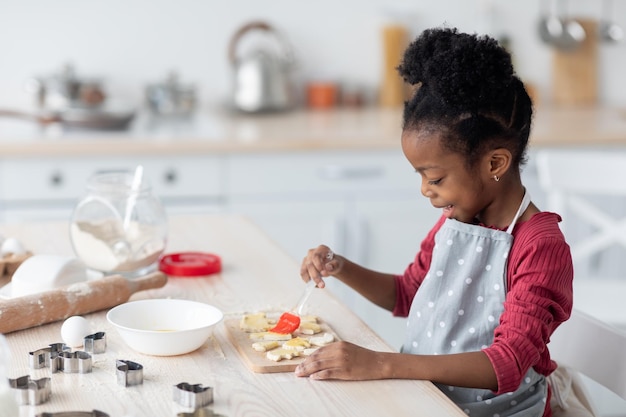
x,y
290,321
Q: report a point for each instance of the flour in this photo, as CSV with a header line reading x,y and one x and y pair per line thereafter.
x,y
80,288
107,247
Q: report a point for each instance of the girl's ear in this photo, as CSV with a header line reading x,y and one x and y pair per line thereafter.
x,y
499,162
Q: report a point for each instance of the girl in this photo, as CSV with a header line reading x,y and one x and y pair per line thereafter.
x,y
493,278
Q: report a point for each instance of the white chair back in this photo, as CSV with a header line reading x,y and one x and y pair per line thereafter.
x,y
588,189
597,351
593,348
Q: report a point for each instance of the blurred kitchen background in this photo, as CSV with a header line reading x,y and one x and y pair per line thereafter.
x,y
288,112
128,45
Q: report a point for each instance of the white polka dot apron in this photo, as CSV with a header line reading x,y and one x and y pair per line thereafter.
x,y
457,309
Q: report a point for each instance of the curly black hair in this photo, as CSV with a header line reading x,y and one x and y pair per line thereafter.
x,y
466,88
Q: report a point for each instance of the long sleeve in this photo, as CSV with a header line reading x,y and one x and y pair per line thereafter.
x,y
539,299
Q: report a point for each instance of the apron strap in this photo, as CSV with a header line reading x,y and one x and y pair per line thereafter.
x,y
522,208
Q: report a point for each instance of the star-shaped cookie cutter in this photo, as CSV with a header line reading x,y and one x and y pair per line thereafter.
x,y
192,396
45,357
72,362
129,373
95,343
31,391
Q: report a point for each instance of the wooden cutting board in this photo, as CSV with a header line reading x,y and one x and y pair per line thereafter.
x,y
575,73
393,91
256,361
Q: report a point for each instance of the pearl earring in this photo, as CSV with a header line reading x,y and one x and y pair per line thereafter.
x,y
495,177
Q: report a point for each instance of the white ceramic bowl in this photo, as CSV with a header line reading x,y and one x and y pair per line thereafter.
x,y
164,327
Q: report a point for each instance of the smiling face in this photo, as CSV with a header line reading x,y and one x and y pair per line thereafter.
x,y
464,193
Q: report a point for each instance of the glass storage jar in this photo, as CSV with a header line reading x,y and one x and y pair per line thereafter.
x,y
8,404
119,226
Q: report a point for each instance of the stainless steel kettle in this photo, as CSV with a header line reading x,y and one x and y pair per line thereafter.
x,y
262,77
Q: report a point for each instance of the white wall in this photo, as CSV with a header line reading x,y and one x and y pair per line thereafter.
x,y
134,42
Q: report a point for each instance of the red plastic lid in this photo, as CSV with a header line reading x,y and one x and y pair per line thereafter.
x,y
190,264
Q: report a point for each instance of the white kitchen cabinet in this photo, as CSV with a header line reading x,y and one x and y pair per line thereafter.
x,y
388,231
365,205
48,188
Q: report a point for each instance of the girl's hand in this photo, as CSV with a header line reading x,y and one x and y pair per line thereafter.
x,y
319,263
342,360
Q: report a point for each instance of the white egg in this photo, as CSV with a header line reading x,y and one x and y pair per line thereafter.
x,y
12,245
74,330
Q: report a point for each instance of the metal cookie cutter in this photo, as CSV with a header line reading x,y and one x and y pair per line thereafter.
x,y
95,343
45,357
200,412
193,396
72,362
129,373
93,413
31,391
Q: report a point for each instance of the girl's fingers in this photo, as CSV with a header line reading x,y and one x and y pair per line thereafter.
x,y
319,263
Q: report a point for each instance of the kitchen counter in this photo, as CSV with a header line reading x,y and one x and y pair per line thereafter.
x,y
221,132
256,275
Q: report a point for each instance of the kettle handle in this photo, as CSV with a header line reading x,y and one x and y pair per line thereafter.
x,y
254,25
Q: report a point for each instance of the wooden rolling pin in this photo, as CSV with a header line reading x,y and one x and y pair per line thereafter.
x,y
75,299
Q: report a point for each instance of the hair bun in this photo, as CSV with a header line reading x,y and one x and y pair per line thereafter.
x,y
467,72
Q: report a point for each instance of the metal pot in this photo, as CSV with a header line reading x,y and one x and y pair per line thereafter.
x,y
65,89
171,98
74,102
261,77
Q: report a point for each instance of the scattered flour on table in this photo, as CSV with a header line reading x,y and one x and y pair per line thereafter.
x,y
79,288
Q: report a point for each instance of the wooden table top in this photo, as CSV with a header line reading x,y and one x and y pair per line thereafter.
x,y
256,276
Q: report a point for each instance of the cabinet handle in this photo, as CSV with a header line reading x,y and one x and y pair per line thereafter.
x,y
171,176
56,179
337,172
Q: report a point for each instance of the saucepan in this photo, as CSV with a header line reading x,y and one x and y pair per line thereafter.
x,y
73,101
103,118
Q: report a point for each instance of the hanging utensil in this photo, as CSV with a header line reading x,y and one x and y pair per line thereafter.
x,y
550,26
609,31
559,29
573,34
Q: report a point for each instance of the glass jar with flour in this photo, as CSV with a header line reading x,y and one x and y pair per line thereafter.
x,y
119,226
8,405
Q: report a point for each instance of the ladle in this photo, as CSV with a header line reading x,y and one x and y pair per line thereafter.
x,y
560,30
609,31
550,26
573,34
